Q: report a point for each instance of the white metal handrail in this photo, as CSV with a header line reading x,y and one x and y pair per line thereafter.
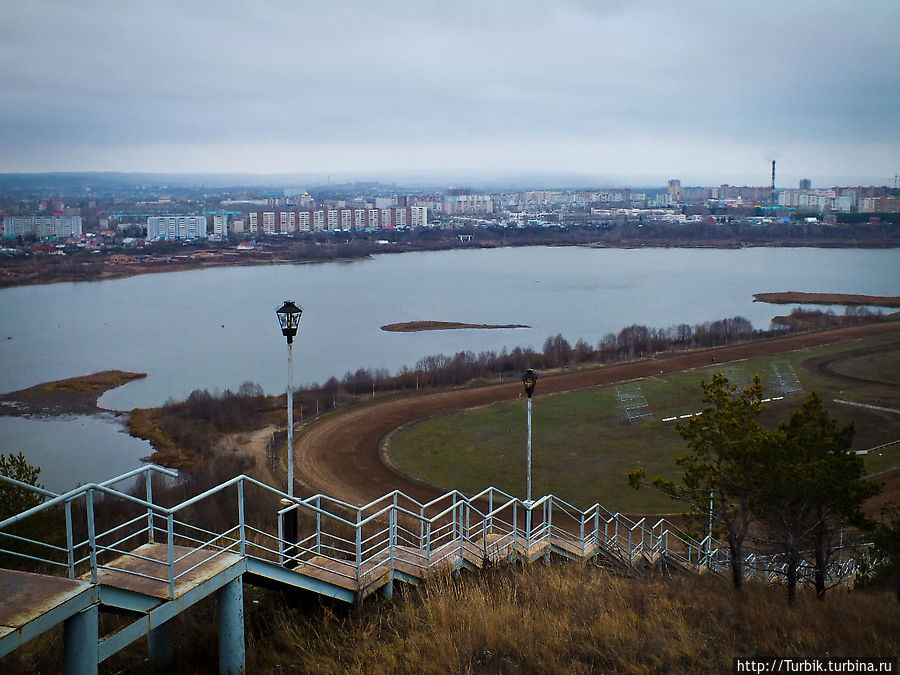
x,y
371,535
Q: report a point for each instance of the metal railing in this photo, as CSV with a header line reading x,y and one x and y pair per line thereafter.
x,y
98,530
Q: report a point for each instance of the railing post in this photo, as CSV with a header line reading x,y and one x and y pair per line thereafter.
x,y
528,532
421,526
490,525
70,543
149,484
358,544
241,520
581,534
392,533
515,525
92,535
170,534
280,539
548,519
427,544
319,525
454,516
462,507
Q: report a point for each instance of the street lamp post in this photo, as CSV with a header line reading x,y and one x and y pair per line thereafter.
x,y
289,318
529,379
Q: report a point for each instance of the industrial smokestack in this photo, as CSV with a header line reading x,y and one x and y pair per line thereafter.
x,y
773,183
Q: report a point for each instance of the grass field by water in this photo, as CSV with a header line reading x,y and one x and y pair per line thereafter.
x,y
582,450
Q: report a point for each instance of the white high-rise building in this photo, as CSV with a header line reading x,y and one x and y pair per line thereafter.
x,y
42,226
176,227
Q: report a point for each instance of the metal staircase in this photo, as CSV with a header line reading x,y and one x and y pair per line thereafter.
x,y
101,547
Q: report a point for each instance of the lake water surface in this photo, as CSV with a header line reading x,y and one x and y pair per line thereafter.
x,y
216,328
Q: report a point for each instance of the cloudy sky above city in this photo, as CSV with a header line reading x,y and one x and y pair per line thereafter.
x,y
622,91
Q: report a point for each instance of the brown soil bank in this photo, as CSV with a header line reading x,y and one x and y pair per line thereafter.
x,y
75,396
339,454
795,297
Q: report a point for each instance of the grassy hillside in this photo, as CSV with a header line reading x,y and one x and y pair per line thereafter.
x,y
571,618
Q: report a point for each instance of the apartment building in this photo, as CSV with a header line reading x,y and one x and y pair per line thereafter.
x,y
287,222
176,227
42,226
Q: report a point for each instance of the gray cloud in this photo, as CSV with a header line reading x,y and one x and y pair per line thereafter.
x,y
94,80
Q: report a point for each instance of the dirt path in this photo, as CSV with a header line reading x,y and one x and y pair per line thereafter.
x,y
253,444
823,365
339,453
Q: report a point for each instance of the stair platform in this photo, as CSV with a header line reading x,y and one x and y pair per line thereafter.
x,y
33,603
145,569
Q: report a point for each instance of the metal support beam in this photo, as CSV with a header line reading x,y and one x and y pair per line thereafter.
x,y
231,628
160,645
80,637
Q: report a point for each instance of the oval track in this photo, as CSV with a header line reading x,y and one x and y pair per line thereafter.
x,y
339,454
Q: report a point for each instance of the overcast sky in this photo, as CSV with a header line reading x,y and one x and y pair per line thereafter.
x,y
634,91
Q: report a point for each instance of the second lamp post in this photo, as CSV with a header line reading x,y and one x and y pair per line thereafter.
x,y
529,379
289,318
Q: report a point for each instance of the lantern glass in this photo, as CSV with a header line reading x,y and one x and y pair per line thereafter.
x,y
529,379
289,319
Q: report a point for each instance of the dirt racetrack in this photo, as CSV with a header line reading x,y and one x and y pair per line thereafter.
x,y
339,454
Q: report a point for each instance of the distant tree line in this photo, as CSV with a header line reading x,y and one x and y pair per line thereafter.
x,y
195,424
635,341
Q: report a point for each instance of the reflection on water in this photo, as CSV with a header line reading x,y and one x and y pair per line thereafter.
x,y
73,450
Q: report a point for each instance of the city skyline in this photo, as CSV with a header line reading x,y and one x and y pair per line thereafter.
x,y
621,93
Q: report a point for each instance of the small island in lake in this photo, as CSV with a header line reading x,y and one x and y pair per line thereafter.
x,y
413,326
74,396
795,297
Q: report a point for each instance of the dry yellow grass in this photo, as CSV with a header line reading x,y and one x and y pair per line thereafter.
x,y
572,618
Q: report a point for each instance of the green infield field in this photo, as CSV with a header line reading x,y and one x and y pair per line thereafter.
x,y
583,445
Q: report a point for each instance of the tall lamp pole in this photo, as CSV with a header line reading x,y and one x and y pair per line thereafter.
x,y
529,379
289,318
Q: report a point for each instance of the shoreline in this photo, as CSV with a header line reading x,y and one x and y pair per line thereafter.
x,y
13,275
848,299
72,396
